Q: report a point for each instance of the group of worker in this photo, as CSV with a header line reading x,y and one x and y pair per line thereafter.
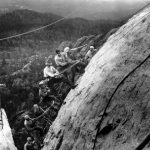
x,y
53,75
63,61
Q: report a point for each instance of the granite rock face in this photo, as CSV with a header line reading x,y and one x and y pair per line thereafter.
x,y
127,119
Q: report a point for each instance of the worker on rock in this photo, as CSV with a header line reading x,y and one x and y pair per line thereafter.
x,y
79,67
30,125
54,76
44,91
29,145
62,60
38,111
74,51
46,96
67,54
63,63
90,53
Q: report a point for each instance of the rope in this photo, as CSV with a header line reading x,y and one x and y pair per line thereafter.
x,y
35,119
40,28
73,49
69,67
28,32
48,25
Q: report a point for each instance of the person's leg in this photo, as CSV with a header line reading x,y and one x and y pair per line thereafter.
x,y
80,67
50,84
73,72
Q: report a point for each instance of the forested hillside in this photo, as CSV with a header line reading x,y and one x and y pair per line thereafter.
x,y
22,59
20,21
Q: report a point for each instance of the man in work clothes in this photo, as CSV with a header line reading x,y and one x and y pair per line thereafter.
x,y
54,76
63,62
44,92
37,110
90,53
79,67
30,125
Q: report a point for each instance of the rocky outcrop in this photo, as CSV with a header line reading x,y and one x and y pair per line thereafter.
x,y
6,140
127,117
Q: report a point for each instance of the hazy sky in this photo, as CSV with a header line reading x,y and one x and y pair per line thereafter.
x,y
91,9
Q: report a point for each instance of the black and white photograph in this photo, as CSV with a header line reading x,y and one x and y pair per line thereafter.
x,y
74,74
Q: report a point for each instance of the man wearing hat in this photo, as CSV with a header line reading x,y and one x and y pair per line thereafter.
x,y
54,76
62,60
44,91
68,65
30,125
90,53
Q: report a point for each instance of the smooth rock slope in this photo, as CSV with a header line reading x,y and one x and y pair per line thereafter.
x,y
127,119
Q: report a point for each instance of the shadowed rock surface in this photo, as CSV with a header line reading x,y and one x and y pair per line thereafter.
x,y
127,118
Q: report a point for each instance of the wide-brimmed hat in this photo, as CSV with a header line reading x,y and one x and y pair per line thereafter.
x,y
26,117
91,47
66,49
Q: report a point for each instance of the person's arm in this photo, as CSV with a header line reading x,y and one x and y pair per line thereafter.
x,y
25,147
41,109
87,55
74,49
60,62
68,59
55,70
46,71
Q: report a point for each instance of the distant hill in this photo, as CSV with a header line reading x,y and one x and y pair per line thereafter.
x,y
47,39
23,20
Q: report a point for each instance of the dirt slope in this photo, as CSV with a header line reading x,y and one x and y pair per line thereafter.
x,y
127,118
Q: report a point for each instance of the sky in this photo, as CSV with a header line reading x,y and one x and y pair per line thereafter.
x,y
89,9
